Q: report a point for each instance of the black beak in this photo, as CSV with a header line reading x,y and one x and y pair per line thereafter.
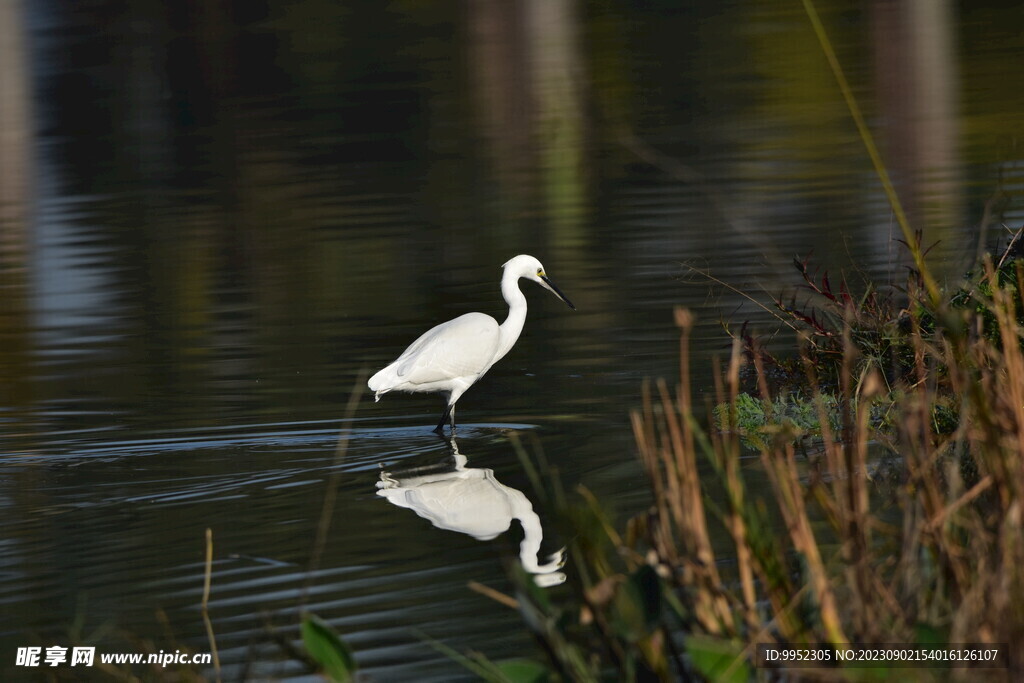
x,y
557,291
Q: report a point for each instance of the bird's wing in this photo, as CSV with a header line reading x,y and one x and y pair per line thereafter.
x,y
461,347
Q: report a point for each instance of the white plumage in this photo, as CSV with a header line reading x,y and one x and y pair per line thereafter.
x,y
452,356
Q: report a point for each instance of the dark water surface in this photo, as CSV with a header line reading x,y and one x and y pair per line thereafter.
x,y
217,215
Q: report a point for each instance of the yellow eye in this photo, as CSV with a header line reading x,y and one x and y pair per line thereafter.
x,y
540,271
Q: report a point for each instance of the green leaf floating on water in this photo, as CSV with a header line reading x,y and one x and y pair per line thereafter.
x,y
327,649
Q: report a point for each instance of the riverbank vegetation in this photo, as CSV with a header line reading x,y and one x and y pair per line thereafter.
x,y
876,500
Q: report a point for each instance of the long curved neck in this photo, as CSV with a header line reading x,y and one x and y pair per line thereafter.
x,y
513,325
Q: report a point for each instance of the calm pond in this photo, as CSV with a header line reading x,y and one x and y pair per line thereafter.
x,y
218,216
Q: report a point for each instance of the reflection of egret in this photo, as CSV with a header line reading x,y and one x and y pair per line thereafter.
x,y
471,501
452,356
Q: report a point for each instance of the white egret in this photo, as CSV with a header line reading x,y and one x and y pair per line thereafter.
x,y
449,358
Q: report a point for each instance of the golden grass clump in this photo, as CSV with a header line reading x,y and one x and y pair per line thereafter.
x,y
894,533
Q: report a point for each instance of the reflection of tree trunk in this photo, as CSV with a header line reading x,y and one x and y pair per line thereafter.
x,y
501,84
15,137
15,187
915,72
525,56
558,86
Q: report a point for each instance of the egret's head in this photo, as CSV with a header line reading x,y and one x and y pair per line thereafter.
x,y
527,266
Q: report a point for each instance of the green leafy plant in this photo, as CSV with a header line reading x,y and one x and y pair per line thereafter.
x,y
327,649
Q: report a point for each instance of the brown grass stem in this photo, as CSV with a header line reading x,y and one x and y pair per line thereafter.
x,y
204,606
493,594
331,492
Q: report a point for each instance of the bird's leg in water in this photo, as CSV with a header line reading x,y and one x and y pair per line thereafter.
x,y
444,418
